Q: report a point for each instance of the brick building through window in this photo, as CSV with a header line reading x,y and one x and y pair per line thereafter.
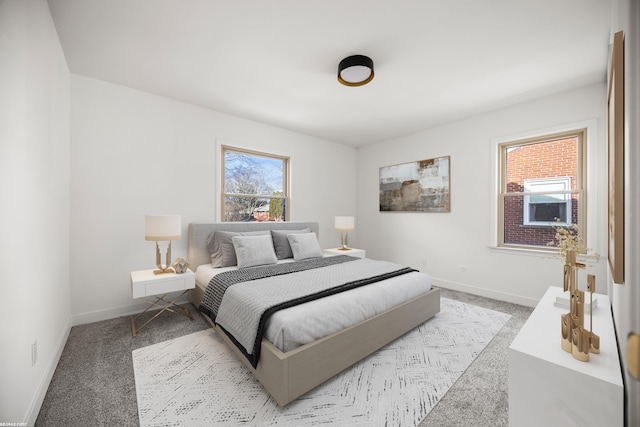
x,y
541,188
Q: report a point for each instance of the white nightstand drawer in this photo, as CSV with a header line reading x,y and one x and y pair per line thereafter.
x,y
165,286
145,283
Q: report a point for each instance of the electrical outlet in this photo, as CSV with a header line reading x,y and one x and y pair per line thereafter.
x,y
34,353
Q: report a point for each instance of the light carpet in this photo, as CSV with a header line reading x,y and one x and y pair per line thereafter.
x,y
196,380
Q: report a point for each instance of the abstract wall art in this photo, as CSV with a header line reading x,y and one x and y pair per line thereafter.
x,y
421,186
615,124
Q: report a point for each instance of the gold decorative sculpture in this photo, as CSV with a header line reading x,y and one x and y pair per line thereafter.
x,y
575,339
594,340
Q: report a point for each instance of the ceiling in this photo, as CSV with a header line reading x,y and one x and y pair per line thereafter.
x,y
275,61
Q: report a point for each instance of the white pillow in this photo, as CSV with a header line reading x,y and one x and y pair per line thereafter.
x,y
254,250
281,243
304,246
220,246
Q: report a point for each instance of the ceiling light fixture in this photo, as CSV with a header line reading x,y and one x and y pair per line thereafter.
x,y
355,70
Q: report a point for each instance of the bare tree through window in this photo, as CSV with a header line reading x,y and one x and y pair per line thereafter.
x,y
254,186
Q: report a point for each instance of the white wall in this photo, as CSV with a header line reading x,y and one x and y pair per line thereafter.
x,y
462,237
626,297
34,212
133,153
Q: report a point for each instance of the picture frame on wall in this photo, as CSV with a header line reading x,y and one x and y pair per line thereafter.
x,y
421,186
615,142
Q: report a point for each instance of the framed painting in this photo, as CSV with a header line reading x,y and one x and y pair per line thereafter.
x,y
615,137
421,186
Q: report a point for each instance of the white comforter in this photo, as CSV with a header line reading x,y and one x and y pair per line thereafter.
x,y
305,323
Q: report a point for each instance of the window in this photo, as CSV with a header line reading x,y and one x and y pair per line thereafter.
x,y
548,201
254,185
541,186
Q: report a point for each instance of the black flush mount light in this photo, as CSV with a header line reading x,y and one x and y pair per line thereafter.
x,y
355,70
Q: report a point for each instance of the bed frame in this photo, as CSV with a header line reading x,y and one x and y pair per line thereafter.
x,y
287,376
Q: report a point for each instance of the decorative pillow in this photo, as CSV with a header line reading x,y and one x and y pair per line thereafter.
x,y
304,246
220,246
281,243
254,250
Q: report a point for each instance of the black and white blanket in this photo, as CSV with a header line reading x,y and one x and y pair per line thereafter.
x,y
241,301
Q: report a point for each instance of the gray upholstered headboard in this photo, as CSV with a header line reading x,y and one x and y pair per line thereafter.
x,y
199,232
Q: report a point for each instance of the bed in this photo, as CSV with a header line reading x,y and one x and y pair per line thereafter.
x,y
286,373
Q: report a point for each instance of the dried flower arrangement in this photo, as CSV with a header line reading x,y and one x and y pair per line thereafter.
x,y
570,238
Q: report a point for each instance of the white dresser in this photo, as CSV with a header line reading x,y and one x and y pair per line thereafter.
x,y
548,387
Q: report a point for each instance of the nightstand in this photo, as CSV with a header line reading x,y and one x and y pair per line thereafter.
x,y
360,253
146,284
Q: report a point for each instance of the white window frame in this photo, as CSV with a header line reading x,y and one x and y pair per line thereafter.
x,y
591,211
530,188
223,146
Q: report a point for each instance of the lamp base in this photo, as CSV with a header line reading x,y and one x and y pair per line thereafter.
x,y
344,236
164,270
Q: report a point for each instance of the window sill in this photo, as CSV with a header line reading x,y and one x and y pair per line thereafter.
x,y
541,253
549,225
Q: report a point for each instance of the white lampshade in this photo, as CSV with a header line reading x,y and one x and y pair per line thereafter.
x,y
344,223
162,227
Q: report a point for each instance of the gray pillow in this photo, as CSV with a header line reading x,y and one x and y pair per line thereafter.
x,y
220,246
281,243
254,250
304,246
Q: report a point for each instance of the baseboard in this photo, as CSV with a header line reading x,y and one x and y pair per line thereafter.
x,y
113,313
38,399
483,292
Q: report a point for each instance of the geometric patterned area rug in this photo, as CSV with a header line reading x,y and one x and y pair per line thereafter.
x,y
196,380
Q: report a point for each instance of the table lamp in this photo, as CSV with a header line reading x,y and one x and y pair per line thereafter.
x,y
344,224
161,228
